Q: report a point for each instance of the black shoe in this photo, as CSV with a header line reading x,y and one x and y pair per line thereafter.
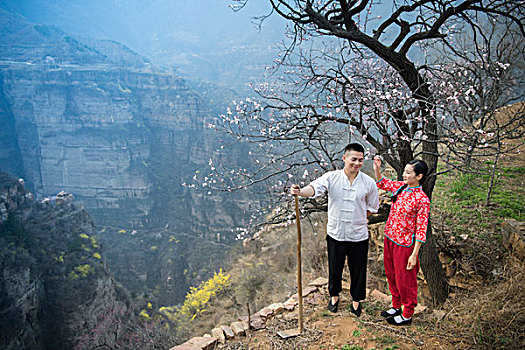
x,y
386,314
404,321
332,307
357,311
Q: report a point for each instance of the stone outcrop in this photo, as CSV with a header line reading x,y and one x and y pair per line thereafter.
x,y
513,233
239,328
54,284
197,343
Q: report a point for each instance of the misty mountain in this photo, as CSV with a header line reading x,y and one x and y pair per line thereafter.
x,y
203,39
30,43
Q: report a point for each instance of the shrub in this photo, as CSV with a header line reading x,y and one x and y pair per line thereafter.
x,y
196,300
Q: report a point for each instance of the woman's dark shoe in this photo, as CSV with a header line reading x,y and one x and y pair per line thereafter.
x,y
332,307
391,312
357,311
399,320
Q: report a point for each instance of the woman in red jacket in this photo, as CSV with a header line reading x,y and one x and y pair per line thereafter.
x,y
405,231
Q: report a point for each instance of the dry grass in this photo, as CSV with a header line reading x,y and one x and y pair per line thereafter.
x,y
491,316
263,271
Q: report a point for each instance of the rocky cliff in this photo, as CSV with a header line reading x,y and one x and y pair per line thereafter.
x,y
98,122
54,284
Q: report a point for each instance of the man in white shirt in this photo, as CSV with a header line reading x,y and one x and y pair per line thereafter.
x,y
352,197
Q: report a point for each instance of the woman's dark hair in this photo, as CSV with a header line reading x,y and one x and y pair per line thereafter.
x,y
420,167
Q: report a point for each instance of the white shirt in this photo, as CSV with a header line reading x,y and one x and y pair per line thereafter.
x,y
347,204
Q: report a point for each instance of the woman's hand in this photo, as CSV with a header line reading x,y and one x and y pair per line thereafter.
x,y
377,168
377,163
412,260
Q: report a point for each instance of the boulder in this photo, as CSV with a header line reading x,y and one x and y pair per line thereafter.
x,y
276,307
197,343
290,304
256,322
318,282
309,290
380,296
239,328
219,334
419,309
513,234
265,312
306,291
186,347
206,343
315,299
228,332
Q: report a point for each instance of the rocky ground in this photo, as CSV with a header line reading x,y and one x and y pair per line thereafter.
x,y
482,311
436,328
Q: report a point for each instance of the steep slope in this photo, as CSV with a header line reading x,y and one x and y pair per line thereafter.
x,y
54,285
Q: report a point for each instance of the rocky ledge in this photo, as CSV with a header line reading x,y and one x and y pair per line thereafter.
x,y
314,294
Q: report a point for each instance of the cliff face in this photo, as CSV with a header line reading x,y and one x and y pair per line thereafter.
x,y
54,285
90,131
123,142
122,138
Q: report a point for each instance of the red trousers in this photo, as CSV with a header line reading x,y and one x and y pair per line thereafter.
x,y
401,282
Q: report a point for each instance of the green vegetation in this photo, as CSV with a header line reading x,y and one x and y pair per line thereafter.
x,y
351,347
393,347
325,313
92,240
371,307
144,315
60,258
12,231
461,200
386,340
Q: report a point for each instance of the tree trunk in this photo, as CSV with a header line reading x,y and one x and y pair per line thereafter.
x,y
432,269
492,176
429,260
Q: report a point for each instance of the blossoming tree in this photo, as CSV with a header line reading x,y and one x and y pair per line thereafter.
x,y
354,69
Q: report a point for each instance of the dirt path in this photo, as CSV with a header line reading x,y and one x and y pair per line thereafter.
x,y
344,331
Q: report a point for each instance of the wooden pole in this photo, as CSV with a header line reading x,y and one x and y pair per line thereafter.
x,y
299,272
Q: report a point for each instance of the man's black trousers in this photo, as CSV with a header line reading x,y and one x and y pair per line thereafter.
x,y
357,255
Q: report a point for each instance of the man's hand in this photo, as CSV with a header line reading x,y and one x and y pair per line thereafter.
x,y
295,190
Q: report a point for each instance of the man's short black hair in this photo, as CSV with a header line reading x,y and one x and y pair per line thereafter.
x,y
354,147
